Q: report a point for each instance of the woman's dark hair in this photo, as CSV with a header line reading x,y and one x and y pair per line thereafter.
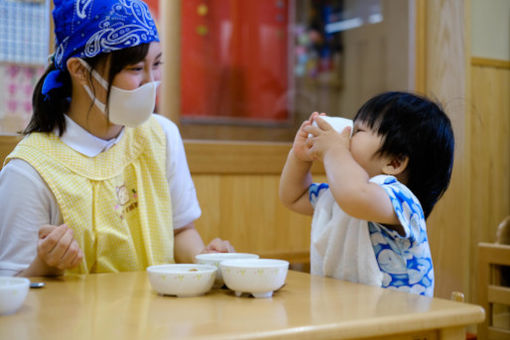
x,y
415,127
49,109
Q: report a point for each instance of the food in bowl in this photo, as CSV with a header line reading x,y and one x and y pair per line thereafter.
x,y
216,258
259,277
182,280
13,291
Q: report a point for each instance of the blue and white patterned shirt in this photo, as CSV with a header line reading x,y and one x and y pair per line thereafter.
x,y
404,260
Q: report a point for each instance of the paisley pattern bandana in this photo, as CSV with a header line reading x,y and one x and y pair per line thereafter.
x,y
86,28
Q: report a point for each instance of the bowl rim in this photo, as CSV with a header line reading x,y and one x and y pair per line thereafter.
x,y
333,118
257,263
17,282
211,256
160,268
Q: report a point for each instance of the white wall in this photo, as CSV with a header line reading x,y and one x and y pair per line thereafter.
x,y
490,24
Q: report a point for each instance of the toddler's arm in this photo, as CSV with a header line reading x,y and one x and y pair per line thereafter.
x,y
348,181
294,183
296,177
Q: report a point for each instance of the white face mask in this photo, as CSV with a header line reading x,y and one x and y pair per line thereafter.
x,y
126,107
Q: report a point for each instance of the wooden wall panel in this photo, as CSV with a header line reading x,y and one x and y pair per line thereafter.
x,y
245,209
490,153
237,187
490,160
447,61
7,144
170,35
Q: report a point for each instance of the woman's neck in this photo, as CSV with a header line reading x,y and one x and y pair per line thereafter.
x,y
92,119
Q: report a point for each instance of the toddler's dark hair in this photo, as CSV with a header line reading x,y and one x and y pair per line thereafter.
x,y
418,128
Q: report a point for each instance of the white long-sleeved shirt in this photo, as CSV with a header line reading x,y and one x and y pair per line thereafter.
x,y
26,202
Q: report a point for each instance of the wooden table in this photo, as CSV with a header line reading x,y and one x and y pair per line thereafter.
x,y
123,306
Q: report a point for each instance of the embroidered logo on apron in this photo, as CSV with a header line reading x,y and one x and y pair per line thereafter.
x,y
123,200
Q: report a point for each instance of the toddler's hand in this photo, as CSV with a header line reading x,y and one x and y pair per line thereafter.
x,y
300,147
57,247
218,246
326,139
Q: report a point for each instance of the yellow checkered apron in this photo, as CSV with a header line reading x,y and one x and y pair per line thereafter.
x,y
118,203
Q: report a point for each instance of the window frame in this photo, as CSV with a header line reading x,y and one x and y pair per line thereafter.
x,y
240,156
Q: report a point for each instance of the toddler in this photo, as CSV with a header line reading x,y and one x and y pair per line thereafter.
x,y
368,221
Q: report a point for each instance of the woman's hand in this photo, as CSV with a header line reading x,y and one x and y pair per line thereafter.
x,y
218,246
188,243
57,250
57,247
326,139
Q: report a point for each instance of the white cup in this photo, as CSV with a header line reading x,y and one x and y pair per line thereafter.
x,y
338,123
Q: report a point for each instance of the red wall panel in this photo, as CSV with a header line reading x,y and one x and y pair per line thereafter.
x,y
234,59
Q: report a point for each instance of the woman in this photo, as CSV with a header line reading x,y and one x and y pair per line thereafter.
x,y
99,183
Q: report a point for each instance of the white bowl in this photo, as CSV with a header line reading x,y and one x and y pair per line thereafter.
x,y
182,280
13,291
259,277
216,258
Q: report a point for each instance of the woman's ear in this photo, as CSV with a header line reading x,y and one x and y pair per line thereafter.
x,y
77,70
396,165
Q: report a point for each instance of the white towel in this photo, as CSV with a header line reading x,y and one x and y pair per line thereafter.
x,y
340,245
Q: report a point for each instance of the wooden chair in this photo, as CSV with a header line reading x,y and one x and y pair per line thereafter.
x,y
492,294
7,144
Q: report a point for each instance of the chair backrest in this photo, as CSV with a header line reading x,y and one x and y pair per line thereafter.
x,y
7,144
491,291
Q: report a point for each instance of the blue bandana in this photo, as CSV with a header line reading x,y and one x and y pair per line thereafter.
x,y
86,28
